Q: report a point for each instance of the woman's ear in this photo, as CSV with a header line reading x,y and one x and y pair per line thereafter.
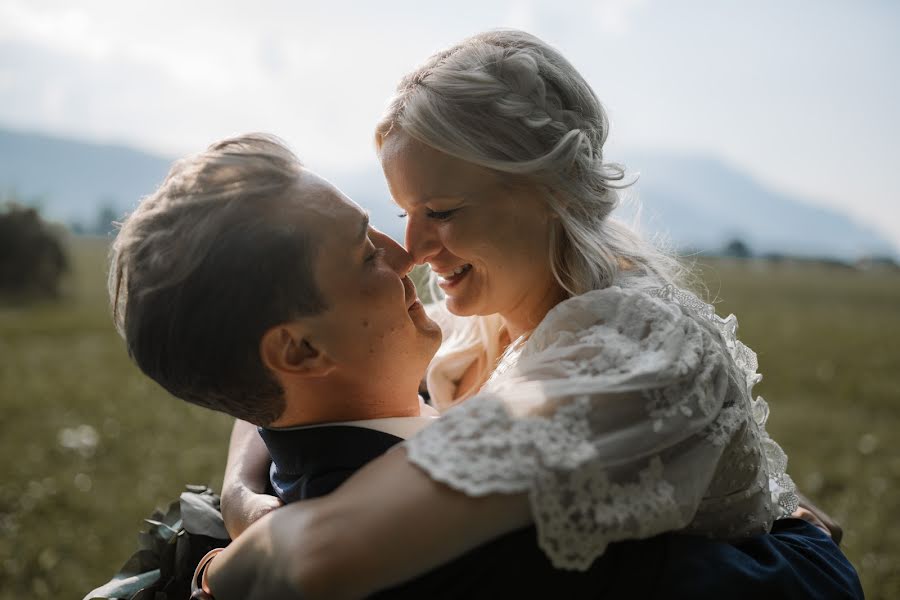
x,y
286,350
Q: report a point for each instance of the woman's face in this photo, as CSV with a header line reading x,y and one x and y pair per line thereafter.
x,y
486,239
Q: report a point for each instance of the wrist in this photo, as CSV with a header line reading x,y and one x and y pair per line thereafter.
x,y
200,589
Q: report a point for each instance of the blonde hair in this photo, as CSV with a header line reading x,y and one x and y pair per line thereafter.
x,y
507,101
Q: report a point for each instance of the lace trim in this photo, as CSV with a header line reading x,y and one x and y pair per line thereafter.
x,y
781,487
577,509
472,464
576,527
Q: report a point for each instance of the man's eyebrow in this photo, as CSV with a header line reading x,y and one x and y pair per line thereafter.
x,y
364,229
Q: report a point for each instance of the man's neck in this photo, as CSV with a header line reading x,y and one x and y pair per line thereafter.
x,y
328,401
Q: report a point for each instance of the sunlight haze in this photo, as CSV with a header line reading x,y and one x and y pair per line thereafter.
x,y
802,95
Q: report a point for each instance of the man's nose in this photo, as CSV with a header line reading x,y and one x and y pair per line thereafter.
x,y
421,239
395,255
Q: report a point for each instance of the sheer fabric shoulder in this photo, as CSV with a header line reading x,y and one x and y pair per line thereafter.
x,y
466,341
625,414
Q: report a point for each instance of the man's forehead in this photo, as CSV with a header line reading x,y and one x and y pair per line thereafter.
x,y
326,213
320,195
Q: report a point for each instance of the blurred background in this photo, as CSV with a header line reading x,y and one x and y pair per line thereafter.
x,y
766,139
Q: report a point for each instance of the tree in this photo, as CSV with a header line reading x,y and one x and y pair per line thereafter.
x,y
737,248
32,259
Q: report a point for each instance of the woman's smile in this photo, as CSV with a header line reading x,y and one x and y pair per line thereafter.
x,y
449,279
485,237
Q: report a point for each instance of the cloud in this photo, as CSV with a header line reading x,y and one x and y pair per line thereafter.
x,y
615,16
69,29
750,82
521,15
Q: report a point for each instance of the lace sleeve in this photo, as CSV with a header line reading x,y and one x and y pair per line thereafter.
x,y
614,417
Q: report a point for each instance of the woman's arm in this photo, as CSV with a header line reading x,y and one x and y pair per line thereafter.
x,y
244,499
388,523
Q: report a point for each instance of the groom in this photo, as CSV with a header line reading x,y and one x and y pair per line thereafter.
x,y
249,285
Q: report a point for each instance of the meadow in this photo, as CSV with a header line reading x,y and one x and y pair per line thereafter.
x,y
88,446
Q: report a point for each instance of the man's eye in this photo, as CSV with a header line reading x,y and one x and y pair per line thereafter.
x,y
403,215
375,255
441,215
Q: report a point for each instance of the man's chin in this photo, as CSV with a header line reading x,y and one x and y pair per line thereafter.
x,y
429,343
424,324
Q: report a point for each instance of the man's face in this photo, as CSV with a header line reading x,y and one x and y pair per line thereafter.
x,y
374,325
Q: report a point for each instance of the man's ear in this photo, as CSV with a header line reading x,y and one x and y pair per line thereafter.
x,y
286,350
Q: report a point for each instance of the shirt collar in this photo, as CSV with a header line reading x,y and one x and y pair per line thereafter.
x,y
299,449
402,427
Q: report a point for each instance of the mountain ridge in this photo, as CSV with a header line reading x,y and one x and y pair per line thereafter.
x,y
691,200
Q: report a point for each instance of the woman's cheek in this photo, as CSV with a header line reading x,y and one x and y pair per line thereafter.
x,y
446,235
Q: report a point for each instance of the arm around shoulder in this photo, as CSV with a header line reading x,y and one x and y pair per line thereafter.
x,y
388,523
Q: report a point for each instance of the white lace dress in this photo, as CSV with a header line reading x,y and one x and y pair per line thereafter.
x,y
625,414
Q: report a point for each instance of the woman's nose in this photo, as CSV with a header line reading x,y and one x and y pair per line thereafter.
x,y
395,255
421,240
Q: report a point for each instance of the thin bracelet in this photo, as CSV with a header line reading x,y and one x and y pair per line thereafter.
x,y
199,585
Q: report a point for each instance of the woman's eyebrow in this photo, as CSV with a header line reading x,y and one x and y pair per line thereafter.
x,y
427,199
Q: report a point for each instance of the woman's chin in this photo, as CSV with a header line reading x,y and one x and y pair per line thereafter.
x,y
466,306
459,306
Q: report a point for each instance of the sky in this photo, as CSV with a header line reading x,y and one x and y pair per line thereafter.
x,y
803,95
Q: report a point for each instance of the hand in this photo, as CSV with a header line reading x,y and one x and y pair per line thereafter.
x,y
245,507
246,476
811,513
426,410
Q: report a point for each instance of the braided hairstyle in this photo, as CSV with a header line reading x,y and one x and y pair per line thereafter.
x,y
507,101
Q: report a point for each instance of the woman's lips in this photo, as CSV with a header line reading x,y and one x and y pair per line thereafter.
x,y
448,279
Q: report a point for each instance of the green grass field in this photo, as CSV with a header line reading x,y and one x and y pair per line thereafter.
x,y
88,446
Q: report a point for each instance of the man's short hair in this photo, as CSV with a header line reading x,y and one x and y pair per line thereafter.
x,y
208,263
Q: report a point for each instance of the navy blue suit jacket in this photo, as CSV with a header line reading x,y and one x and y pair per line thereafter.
x,y
796,560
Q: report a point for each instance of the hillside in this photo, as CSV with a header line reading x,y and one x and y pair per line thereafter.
x,y
692,202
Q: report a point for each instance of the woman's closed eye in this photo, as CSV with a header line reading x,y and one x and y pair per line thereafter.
x,y
438,215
